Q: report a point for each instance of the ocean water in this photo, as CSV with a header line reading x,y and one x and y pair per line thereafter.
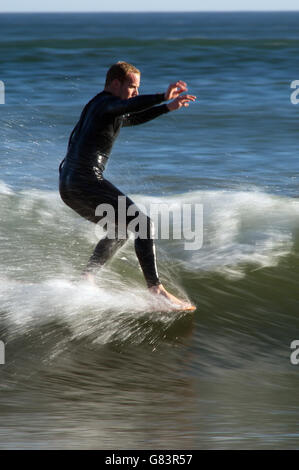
x,y
90,367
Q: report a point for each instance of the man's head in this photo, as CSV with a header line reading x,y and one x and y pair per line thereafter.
x,y
123,80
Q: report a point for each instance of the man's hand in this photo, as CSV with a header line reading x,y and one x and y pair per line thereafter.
x,y
174,93
182,100
175,89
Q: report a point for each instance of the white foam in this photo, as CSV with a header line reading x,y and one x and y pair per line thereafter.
x,y
5,188
99,313
240,227
242,230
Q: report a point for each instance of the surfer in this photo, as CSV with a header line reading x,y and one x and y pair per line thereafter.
x,y
82,184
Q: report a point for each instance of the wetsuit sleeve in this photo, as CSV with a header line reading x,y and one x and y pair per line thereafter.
x,y
134,119
118,107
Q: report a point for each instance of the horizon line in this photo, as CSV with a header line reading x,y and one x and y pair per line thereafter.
x,y
150,11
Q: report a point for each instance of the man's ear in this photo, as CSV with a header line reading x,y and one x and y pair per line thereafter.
x,y
115,84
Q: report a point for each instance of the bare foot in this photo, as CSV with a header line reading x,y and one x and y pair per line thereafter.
x,y
90,278
160,290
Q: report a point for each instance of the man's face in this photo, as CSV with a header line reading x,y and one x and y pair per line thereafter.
x,y
129,88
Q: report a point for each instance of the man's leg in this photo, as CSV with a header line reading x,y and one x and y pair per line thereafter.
x,y
105,249
84,200
144,246
146,252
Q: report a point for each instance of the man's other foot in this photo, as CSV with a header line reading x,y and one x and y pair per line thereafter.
x,y
178,304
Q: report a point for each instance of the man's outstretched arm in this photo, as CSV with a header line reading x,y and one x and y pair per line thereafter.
x,y
134,119
118,107
173,93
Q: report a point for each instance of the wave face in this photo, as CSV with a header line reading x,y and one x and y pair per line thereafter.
x,y
247,236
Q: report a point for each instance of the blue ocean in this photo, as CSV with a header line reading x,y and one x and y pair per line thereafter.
x,y
93,367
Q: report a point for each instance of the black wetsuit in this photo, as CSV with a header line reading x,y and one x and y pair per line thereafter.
x,y
82,185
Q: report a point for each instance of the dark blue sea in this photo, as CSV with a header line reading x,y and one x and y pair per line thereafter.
x,y
92,367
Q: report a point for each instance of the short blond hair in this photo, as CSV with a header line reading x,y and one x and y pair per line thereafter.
x,y
120,71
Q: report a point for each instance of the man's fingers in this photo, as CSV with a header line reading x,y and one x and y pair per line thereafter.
x,y
191,97
183,98
179,85
176,89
